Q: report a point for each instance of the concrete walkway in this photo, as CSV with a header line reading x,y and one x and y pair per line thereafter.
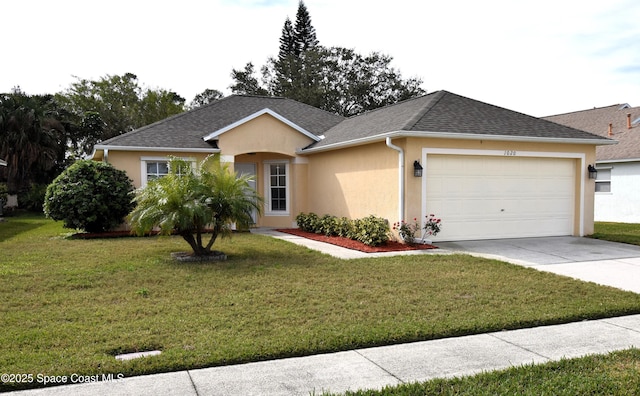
x,y
374,368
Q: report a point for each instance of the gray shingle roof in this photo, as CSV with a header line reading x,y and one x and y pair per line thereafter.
x,y
597,121
445,112
186,130
440,112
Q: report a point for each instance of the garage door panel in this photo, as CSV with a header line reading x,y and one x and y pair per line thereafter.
x,y
484,197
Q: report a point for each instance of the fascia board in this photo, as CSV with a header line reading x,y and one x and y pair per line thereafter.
x,y
612,161
452,135
257,114
163,149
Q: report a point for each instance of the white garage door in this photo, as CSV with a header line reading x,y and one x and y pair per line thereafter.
x,y
487,197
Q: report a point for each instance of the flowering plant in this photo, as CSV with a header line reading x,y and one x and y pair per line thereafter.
x,y
407,231
432,226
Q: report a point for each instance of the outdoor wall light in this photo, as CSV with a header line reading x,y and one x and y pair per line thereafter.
x,y
417,169
593,172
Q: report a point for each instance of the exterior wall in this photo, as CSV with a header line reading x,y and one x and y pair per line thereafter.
x,y
354,182
266,138
584,187
622,204
297,189
262,134
359,181
130,161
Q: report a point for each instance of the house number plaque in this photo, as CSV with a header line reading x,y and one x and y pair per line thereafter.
x,y
510,153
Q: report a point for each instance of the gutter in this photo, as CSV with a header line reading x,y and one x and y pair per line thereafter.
x,y
400,176
163,149
452,135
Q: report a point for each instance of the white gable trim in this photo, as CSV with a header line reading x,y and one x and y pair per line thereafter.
x,y
214,135
3,163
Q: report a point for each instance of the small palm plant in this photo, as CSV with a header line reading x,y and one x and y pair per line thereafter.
x,y
192,202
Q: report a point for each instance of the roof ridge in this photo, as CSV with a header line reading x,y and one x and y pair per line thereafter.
x,y
411,122
617,106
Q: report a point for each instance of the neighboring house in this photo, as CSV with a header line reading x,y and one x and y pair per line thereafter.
x,y
3,162
487,172
617,188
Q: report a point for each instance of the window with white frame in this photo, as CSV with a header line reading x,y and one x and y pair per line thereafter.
x,y
277,187
156,167
603,180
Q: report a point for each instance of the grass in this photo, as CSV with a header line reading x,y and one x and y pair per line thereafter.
x,y
617,373
617,232
70,305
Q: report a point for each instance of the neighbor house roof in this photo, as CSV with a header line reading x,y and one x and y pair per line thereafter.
x,y
444,114
187,130
625,128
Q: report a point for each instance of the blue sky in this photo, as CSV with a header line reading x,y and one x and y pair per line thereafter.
x,y
538,57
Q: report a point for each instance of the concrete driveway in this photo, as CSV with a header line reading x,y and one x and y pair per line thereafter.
x,y
607,263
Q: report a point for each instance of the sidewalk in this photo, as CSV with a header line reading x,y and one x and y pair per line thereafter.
x,y
374,368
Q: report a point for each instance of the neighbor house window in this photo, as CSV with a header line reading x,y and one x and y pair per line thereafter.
x,y
603,181
277,187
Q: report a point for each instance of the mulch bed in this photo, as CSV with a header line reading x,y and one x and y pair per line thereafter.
x,y
390,246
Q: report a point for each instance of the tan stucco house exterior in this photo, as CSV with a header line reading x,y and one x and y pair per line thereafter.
x,y
488,172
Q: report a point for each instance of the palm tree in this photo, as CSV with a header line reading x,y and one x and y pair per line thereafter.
x,y
28,138
191,202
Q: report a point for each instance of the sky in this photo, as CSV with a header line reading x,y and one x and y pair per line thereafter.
x,y
538,57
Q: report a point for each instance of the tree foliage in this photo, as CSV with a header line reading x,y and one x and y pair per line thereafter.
x,y
91,196
245,83
205,97
188,202
113,105
29,138
335,79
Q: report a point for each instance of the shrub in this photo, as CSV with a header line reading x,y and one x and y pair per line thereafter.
x,y
372,231
304,222
91,196
327,225
33,199
3,193
344,228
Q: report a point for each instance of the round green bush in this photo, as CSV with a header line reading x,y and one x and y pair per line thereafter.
x,y
91,196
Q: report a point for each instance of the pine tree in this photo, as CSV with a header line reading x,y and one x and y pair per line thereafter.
x,y
305,33
287,40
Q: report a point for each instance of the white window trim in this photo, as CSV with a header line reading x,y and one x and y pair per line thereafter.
x,y
143,165
598,180
267,188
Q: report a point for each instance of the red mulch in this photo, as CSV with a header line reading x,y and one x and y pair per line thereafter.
x,y
390,246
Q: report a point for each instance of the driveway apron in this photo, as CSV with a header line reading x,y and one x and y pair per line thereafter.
x,y
603,262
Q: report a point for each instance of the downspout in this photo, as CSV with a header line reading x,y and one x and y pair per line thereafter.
x,y
400,177
105,156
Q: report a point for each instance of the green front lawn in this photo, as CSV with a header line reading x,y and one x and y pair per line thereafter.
x,y
617,232
617,373
69,305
